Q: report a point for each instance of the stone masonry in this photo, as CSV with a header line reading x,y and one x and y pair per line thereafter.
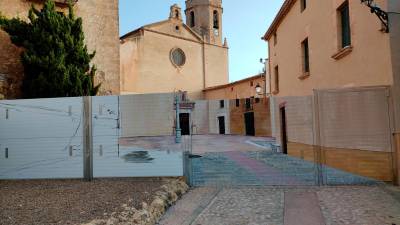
x,y
101,27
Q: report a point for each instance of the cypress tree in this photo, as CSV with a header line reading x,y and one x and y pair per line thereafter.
x,y
55,58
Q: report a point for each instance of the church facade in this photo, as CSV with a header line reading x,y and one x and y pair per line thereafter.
x,y
173,55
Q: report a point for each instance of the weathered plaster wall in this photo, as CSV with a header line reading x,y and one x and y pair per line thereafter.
x,y
368,64
146,65
236,90
394,19
216,65
101,28
216,111
200,117
349,128
262,120
147,68
154,115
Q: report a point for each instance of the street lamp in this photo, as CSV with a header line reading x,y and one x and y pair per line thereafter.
x,y
259,89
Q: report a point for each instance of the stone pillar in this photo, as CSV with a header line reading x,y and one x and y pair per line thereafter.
x,y
394,26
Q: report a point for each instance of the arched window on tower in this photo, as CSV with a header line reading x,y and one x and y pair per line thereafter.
x,y
192,19
177,14
216,20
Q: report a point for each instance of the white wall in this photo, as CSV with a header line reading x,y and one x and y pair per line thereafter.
x,y
216,111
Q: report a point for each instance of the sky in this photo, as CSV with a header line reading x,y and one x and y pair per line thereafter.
x,y
244,23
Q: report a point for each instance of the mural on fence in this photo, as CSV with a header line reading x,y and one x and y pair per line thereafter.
x,y
42,138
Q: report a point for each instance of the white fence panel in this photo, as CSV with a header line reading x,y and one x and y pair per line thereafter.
x,y
112,160
41,138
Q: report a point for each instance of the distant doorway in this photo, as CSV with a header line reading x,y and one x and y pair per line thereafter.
x,y
284,131
184,122
249,123
221,122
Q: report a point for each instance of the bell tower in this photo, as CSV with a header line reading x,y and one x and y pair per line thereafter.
x,y
205,18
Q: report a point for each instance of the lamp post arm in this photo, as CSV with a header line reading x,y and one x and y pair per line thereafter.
x,y
382,15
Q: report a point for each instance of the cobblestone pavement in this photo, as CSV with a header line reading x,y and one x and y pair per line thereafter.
x,y
189,207
359,206
353,205
244,206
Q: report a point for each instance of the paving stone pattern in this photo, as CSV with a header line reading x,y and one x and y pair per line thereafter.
x,y
265,168
342,205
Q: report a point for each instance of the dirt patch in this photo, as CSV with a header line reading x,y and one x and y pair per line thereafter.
x,y
71,201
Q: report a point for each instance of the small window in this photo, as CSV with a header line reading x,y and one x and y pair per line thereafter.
x,y
303,5
251,83
237,102
222,104
276,79
177,14
216,20
178,57
275,39
305,56
345,31
231,88
192,19
257,100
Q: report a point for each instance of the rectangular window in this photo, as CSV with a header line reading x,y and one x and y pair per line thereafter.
x,y
276,79
275,39
248,103
237,102
306,56
257,100
345,32
222,104
303,5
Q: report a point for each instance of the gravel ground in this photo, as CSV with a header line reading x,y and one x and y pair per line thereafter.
x,y
70,201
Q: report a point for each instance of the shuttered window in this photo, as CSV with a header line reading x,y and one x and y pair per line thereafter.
x,y
276,79
345,24
306,56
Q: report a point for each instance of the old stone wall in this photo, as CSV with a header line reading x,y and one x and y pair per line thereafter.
x,y
261,110
237,90
101,28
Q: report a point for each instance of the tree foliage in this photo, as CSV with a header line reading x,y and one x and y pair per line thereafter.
x,y
55,58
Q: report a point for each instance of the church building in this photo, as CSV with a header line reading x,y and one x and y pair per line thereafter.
x,y
173,55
